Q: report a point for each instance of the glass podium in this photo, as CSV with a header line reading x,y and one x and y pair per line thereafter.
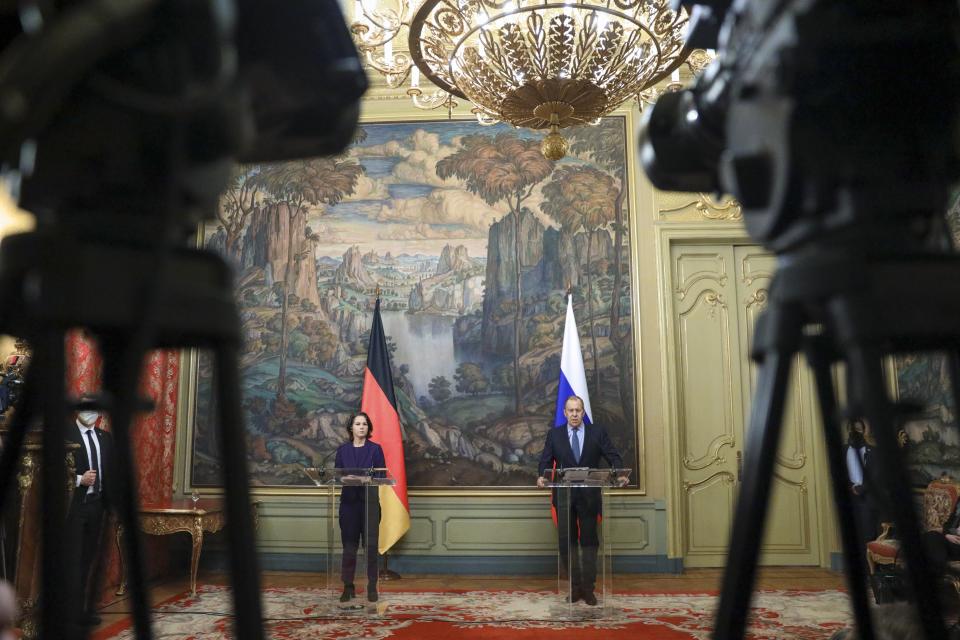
x,y
351,536
584,557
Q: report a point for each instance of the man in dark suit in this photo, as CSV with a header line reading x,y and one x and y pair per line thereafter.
x,y
94,464
578,445
860,471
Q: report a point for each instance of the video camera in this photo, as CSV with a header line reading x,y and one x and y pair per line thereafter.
x,y
100,87
125,119
823,119
835,125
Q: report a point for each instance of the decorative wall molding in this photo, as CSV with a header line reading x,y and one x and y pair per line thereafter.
x,y
446,531
713,457
700,206
698,274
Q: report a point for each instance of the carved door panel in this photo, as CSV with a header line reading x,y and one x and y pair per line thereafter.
x,y
716,293
791,535
706,396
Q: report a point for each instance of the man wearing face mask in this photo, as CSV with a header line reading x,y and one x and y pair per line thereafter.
x,y
94,466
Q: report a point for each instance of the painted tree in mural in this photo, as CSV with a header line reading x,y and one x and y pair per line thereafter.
x,y
581,198
439,388
237,202
604,144
294,187
504,169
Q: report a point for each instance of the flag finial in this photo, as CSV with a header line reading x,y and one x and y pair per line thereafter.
x,y
378,292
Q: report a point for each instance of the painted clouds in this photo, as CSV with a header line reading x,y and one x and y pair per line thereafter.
x,y
414,201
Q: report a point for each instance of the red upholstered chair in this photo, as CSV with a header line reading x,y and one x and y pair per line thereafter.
x,y
939,502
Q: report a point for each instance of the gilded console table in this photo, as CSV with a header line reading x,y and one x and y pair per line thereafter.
x,y
180,515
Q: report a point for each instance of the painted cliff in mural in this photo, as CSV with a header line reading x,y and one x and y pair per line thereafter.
x,y
471,238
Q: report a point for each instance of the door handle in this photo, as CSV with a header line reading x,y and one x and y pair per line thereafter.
x,y
739,466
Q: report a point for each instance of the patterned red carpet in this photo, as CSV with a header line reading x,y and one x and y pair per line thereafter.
x,y
312,614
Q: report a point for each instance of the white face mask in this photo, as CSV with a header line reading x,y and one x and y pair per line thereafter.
x,y
88,417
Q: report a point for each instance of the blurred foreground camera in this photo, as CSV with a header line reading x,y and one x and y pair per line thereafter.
x,y
816,116
125,119
835,125
115,92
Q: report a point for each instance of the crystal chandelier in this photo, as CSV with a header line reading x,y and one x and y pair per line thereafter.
x,y
538,64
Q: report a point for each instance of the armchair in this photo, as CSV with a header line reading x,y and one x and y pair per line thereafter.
x,y
939,502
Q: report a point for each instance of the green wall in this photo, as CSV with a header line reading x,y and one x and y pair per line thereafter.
x,y
459,534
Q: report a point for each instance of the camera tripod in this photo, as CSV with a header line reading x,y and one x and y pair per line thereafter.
x,y
132,298
840,307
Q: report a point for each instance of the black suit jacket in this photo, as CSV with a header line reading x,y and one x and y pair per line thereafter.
x,y
596,445
82,464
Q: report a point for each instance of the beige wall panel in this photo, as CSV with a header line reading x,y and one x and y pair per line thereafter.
x,y
694,266
630,533
788,524
298,525
709,515
473,534
649,273
705,393
422,534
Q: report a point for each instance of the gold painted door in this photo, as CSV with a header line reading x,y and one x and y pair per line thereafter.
x,y
716,293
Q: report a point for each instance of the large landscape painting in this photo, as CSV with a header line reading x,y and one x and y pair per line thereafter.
x,y
472,240
933,438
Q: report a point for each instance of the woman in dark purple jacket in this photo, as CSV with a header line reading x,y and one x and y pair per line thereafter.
x,y
359,505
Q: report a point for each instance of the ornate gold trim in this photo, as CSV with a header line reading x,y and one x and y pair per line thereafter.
x,y
759,298
750,278
713,454
725,476
28,467
719,276
709,209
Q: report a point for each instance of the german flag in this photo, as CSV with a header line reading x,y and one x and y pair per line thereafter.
x,y
380,403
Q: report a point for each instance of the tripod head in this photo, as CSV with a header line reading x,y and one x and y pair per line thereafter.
x,y
831,123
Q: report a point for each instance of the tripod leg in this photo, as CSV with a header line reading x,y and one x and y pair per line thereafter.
x,y
243,553
866,371
121,374
819,359
50,361
761,445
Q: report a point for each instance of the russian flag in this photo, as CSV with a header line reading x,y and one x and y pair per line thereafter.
x,y
573,378
380,402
